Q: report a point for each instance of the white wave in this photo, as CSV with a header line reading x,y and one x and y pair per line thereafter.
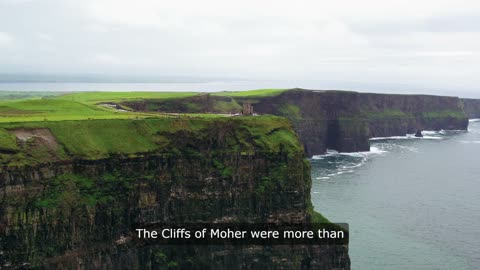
x,y
410,137
431,138
373,151
430,132
328,154
390,138
452,131
347,166
474,120
377,150
406,137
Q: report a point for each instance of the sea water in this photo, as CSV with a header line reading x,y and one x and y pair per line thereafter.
x,y
411,203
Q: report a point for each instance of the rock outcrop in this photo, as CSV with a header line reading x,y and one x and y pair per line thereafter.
x,y
75,208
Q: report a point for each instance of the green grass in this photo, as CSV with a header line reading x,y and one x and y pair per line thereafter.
x,y
227,106
94,139
252,93
31,110
7,141
82,106
98,97
290,111
104,132
318,218
201,115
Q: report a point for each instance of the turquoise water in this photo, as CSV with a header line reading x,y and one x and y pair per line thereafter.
x,y
412,203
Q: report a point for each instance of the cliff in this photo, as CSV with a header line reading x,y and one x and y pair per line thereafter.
x,y
340,120
72,191
472,107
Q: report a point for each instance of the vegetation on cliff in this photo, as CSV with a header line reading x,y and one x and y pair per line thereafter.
x,y
252,93
74,189
7,141
99,97
94,139
57,110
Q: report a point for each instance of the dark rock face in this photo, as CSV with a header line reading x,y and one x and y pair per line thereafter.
x,y
393,115
345,121
79,213
471,107
323,119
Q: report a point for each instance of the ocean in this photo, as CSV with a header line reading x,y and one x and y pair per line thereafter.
x,y
411,203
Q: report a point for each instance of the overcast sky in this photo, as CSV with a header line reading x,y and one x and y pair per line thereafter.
x,y
424,43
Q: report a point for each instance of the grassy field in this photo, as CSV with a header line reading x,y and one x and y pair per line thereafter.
x,y
98,97
251,93
84,105
32,110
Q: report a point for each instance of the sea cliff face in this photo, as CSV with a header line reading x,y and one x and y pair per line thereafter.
x,y
74,206
340,120
472,107
345,121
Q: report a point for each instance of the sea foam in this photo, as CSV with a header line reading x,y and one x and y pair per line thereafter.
x,y
427,135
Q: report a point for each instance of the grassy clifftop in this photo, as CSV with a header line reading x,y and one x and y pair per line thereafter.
x,y
252,93
75,125
57,110
95,139
49,106
97,97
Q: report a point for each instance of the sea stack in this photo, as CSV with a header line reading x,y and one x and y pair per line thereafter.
x,y
418,134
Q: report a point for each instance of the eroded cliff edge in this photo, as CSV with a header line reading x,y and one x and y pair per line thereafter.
x,y
72,190
340,120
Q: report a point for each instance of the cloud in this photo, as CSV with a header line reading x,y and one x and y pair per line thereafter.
x,y
105,59
15,1
374,41
43,36
5,39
